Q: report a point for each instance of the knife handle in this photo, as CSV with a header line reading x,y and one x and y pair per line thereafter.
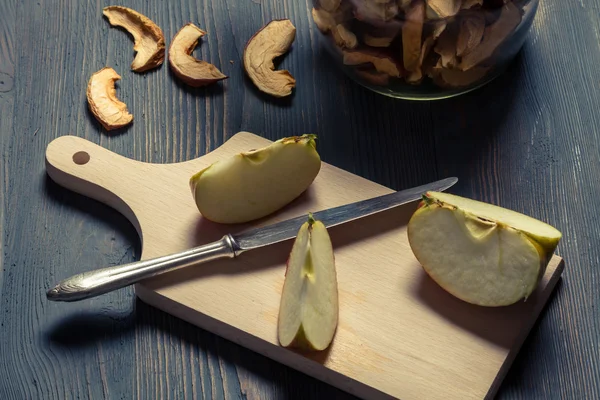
x,y
104,280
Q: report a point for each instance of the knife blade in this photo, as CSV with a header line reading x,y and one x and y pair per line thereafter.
x,y
281,231
104,280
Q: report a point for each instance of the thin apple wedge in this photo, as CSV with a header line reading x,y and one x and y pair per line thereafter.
x,y
481,253
308,313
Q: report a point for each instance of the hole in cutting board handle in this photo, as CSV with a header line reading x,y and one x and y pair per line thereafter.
x,y
81,158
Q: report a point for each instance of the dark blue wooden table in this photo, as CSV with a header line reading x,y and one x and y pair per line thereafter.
x,y
528,141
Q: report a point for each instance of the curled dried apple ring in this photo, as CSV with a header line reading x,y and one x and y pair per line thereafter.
x,y
272,41
149,42
102,100
192,71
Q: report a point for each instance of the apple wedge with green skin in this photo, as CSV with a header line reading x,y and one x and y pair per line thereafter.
x,y
256,183
481,253
308,312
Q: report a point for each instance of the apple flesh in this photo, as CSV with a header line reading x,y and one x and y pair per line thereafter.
x,y
481,253
308,313
257,183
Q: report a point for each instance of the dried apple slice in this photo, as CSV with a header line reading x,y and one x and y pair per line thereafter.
x,y
374,11
416,77
404,4
327,20
446,46
332,22
435,29
481,253
494,35
149,41
438,28
457,78
103,102
375,41
382,62
470,33
257,183
270,42
324,20
330,5
344,37
192,71
442,8
466,4
435,70
381,35
373,77
378,41
308,311
412,31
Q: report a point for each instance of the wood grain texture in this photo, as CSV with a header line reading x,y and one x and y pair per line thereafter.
x,y
529,140
399,335
7,72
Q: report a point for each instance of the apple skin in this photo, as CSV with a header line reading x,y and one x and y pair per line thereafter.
x,y
473,273
302,343
544,235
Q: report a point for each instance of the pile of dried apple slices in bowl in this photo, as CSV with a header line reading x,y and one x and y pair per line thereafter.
x,y
481,253
270,42
423,48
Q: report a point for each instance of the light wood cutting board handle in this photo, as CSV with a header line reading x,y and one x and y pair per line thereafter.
x,y
91,170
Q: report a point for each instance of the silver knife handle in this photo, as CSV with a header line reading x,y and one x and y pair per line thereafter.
x,y
100,281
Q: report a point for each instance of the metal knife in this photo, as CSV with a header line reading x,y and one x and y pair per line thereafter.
x,y
100,281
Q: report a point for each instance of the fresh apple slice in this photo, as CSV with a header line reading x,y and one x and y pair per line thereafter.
x,y
308,313
481,253
256,183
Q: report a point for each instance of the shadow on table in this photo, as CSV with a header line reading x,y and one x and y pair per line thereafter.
x,y
371,134
88,329
468,130
493,324
81,325
251,368
99,212
526,361
101,130
210,90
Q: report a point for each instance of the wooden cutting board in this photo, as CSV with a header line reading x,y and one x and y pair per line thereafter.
x,y
399,334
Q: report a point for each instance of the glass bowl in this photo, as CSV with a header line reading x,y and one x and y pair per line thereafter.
x,y
423,49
